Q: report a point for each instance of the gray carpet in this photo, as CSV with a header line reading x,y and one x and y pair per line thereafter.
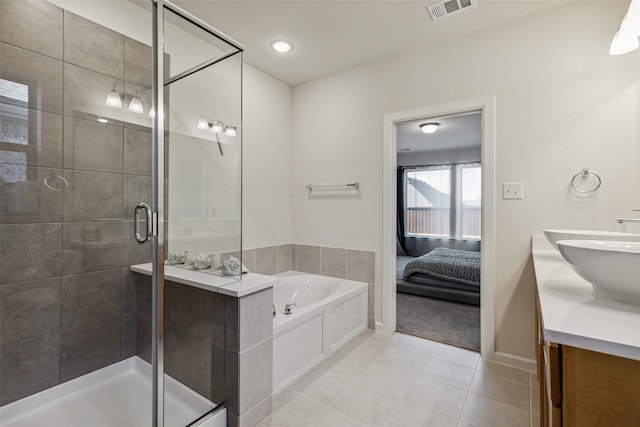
x,y
442,321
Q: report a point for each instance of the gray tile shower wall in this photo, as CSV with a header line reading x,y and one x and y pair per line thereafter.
x,y
334,262
68,184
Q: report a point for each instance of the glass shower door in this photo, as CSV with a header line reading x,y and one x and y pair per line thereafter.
x,y
197,200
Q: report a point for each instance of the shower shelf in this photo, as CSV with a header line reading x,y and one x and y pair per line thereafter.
x,y
227,285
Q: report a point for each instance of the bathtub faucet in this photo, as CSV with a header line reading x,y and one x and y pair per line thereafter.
x,y
287,308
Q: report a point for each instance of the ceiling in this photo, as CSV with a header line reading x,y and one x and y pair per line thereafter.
x,y
334,35
454,133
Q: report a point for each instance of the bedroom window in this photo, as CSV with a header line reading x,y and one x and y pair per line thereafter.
x,y
443,201
470,201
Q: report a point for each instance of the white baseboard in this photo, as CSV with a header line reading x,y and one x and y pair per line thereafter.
x,y
380,327
512,360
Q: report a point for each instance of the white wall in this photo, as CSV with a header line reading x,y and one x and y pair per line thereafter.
x,y
266,168
428,158
562,103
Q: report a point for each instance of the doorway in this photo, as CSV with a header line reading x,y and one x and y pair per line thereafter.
x,y
486,106
439,200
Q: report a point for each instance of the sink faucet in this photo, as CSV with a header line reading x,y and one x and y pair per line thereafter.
x,y
287,308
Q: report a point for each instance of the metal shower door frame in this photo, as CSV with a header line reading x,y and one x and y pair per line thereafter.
x,y
158,195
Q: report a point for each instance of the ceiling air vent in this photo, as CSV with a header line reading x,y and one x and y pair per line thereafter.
x,y
447,7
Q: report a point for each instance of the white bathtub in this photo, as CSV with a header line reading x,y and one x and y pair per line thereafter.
x,y
327,314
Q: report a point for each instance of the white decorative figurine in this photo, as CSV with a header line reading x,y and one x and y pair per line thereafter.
x,y
201,262
175,257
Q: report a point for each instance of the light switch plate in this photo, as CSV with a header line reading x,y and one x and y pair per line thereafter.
x,y
512,190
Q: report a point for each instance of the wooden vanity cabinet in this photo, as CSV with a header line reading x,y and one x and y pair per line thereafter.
x,y
583,388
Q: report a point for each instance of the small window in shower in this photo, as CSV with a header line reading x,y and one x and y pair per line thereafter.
x,y
14,110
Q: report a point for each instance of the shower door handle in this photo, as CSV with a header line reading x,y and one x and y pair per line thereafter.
x,y
136,223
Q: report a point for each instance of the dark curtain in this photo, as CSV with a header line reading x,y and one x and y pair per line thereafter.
x,y
401,249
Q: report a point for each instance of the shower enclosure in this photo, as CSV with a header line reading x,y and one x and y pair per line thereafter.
x,y
120,145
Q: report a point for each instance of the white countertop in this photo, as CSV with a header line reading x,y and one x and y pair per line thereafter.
x,y
574,315
249,284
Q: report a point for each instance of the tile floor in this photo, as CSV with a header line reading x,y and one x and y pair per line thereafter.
x,y
401,380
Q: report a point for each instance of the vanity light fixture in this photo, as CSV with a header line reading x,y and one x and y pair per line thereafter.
x,y
203,123
623,43
135,105
429,127
625,39
113,99
282,46
230,131
217,127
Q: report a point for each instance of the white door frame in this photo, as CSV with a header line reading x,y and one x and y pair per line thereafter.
x,y
387,322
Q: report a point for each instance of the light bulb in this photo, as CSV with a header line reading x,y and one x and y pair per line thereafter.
x,y
135,105
230,131
152,114
429,127
216,127
203,123
113,99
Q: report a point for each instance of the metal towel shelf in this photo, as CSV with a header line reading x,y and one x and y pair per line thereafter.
x,y
355,185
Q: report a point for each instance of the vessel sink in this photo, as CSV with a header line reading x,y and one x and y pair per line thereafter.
x,y
612,267
553,236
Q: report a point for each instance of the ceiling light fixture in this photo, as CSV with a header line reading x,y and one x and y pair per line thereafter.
x,y
429,127
113,99
282,46
135,105
625,39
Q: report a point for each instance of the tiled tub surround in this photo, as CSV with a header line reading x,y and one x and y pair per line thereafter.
x,y
67,190
347,264
216,344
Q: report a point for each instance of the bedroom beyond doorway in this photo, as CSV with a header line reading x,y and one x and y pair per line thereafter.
x,y
438,239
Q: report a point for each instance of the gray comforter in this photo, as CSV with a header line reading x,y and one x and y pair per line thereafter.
x,y
449,264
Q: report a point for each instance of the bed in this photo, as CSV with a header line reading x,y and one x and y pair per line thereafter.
x,y
448,274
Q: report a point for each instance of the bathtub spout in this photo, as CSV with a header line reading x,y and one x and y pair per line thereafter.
x,y
287,308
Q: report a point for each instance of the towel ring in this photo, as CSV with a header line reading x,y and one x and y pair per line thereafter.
x,y
584,174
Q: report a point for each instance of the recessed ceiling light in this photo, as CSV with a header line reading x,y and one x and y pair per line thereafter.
x,y
281,46
429,127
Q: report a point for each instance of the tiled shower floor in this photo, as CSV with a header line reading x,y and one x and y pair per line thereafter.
x,y
116,396
401,380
